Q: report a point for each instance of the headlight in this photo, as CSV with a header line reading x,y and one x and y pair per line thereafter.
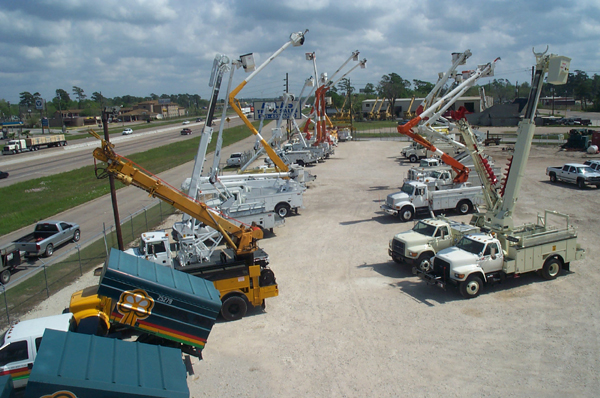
x,y
459,276
413,254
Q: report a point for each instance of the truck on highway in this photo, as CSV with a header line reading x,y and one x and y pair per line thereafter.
x,y
418,245
10,257
47,236
418,197
33,143
574,173
21,342
163,306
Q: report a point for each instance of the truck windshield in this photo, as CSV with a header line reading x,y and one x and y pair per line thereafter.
x,y
407,189
470,245
435,174
424,229
585,170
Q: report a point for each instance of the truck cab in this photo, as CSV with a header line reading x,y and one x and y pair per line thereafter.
x,y
469,263
154,246
21,342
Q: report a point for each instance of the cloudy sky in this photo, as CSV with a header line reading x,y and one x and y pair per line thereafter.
x,y
138,47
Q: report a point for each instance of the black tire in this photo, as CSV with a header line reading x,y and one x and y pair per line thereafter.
x,y
413,158
234,308
267,278
472,287
424,262
5,276
552,177
49,250
76,235
464,207
407,213
551,269
580,184
283,210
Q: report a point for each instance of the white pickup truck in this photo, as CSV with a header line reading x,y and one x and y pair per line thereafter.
x,y
418,197
575,173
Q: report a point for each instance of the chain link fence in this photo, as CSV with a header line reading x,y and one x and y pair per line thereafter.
x,y
35,281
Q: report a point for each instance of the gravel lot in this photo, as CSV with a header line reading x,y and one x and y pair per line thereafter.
x,y
349,322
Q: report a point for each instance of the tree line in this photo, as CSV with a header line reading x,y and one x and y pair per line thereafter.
x,y
77,99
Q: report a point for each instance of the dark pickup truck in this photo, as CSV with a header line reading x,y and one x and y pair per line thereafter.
x,y
47,236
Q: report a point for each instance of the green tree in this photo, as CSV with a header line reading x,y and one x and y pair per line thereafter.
x,y
393,86
62,99
422,88
97,97
369,89
79,94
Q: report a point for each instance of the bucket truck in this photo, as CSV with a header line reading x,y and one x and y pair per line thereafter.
x,y
502,250
239,272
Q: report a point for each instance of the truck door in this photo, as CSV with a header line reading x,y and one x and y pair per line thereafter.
x,y
492,258
157,252
420,197
442,238
65,233
16,360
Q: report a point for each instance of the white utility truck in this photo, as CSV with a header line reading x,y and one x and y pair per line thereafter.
x,y
418,197
20,344
418,245
502,250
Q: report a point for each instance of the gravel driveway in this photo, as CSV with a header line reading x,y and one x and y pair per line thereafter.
x,y
349,322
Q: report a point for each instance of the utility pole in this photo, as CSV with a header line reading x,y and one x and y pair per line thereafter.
x,y
111,180
289,122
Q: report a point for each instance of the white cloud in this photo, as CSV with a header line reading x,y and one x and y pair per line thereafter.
x,y
135,47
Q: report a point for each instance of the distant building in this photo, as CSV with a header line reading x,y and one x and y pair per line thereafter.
x,y
558,101
401,105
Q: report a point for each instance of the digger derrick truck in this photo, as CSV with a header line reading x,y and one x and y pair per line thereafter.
x,y
502,250
240,271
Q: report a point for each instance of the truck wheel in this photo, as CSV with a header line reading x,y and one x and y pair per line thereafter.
x,y
267,278
406,213
464,207
76,235
282,209
424,262
471,287
5,276
552,177
234,308
413,158
551,269
581,183
49,250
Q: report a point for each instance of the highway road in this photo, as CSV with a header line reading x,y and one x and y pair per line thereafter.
x,y
93,215
78,153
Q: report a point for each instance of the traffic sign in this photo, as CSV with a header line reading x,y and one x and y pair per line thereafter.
x,y
228,120
39,104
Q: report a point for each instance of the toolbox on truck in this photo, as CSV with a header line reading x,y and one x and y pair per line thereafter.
x,y
71,364
159,300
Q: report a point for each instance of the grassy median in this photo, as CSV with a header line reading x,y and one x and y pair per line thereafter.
x,y
28,202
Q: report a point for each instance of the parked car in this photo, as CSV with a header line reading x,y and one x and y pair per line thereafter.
x,y
198,120
186,122
127,131
594,164
3,174
186,131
